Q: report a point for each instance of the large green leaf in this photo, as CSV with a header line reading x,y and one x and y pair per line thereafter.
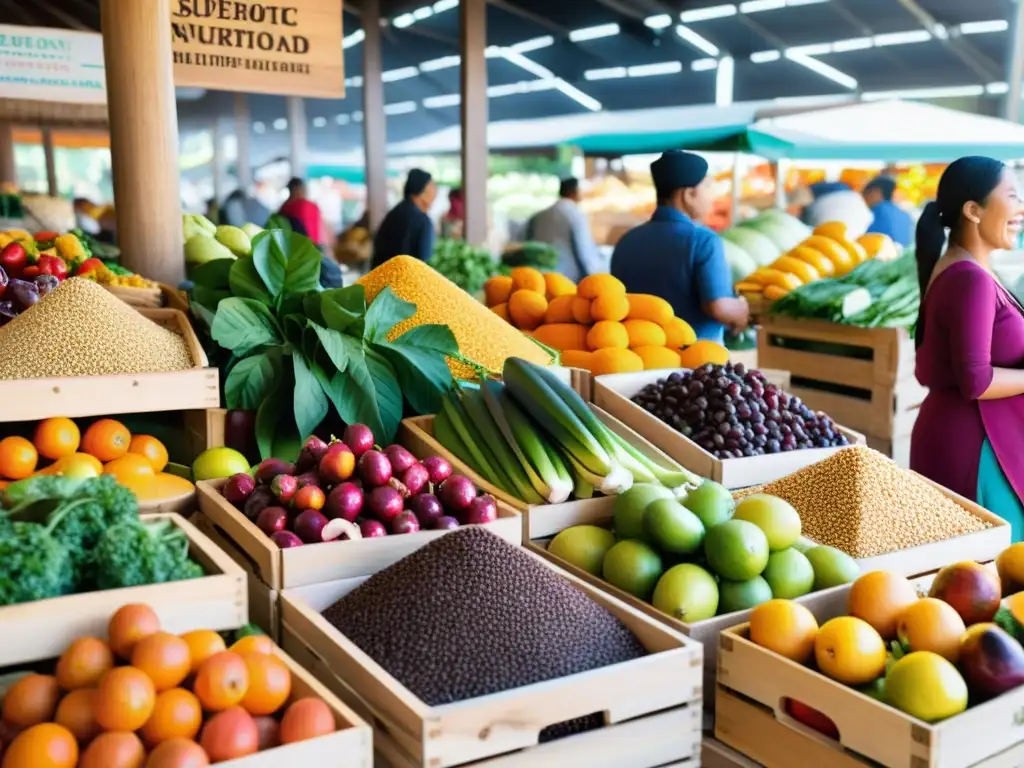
x,y
341,308
337,346
388,394
385,312
242,325
250,381
245,281
214,274
310,401
286,261
419,359
272,410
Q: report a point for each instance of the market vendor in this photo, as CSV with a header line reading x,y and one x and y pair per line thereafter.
x,y
407,230
970,341
889,218
677,258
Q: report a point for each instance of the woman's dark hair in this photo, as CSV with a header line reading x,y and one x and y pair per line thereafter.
x,y
968,179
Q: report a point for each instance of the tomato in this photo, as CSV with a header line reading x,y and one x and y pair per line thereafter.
x,y
53,265
13,258
88,266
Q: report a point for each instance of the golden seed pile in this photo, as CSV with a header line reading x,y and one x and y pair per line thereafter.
x,y
81,329
863,503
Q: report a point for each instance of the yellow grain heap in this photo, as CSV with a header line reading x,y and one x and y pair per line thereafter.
x,y
863,503
483,336
81,329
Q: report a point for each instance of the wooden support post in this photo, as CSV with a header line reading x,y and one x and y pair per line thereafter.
x,y
243,161
144,137
1015,78
51,164
217,162
297,135
473,42
375,129
8,166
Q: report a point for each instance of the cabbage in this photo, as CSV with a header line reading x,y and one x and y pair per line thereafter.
x,y
740,262
789,230
759,247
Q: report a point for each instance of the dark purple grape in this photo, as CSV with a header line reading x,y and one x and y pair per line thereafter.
x,y
773,446
739,369
23,294
675,377
724,428
735,390
45,283
719,416
718,440
695,388
701,403
788,442
757,389
772,401
759,430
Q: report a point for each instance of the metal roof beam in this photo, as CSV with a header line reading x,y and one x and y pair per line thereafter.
x,y
64,17
981,65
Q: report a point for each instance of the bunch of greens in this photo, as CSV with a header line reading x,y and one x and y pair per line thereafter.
x,y
296,350
61,535
466,266
541,256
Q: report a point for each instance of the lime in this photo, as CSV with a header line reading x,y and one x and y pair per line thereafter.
x,y
742,595
711,502
832,567
687,592
214,463
583,546
775,516
628,510
803,544
633,567
672,527
926,686
736,550
789,574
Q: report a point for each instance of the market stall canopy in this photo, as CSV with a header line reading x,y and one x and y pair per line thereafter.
x,y
885,130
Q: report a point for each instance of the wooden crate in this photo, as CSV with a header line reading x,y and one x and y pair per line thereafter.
x,y
715,754
613,393
43,629
651,705
197,387
861,377
868,729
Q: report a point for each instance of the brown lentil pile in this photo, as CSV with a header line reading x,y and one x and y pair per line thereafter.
x,y
470,614
863,503
84,330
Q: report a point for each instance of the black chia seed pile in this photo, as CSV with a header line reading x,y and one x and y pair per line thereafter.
x,y
470,615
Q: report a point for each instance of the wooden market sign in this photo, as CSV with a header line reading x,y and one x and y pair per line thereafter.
x,y
284,47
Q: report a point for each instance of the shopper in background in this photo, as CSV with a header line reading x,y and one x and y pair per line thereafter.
x,y
299,207
407,230
84,220
240,209
970,341
565,226
889,218
453,223
676,257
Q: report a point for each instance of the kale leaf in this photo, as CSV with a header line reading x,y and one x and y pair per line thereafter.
x,y
33,565
135,553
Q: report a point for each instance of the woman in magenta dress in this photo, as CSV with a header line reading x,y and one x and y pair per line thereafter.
x,y
970,341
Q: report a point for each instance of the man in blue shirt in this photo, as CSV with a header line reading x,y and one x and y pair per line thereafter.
x,y
564,225
889,219
678,259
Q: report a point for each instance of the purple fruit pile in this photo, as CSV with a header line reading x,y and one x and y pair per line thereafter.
x,y
348,488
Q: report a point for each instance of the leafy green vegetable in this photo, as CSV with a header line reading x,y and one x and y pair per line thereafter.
x,y
466,266
135,553
33,565
542,256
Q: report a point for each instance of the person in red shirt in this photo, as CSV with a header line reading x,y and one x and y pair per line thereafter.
x,y
303,210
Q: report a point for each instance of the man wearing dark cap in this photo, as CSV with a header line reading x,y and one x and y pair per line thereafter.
x,y
565,226
889,218
676,257
407,230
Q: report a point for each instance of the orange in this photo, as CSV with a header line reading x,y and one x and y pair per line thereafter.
x,y
75,712
931,625
879,598
130,624
178,753
116,749
85,661
701,352
230,734
785,627
132,471
850,651
202,644
151,449
1010,566
164,657
46,745
56,437
106,439
18,458
306,719
253,644
270,684
177,714
31,700
125,699
221,681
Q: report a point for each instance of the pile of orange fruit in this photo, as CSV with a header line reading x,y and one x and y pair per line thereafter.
x,y
145,698
59,447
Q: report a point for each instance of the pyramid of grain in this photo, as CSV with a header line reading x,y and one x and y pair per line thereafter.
x,y
865,504
81,329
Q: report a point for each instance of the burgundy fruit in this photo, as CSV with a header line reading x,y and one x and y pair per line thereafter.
x,y
309,497
374,469
284,488
400,458
307,478
415,478
286,539
359,438
312,451
309,526
406,522
261,497
345,501
271,468
337,464
238,488
457,493
439,468
385,503
272,520
446,523
426,507
372,529
483,509
240,433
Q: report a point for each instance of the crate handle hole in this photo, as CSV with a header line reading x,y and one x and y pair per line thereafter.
x,y
807,719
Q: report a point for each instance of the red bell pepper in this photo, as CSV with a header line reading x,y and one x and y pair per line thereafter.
x,y
53,265
46,237
88,266
30,272
13,259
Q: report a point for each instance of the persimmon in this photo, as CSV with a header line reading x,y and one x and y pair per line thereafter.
x,y
116,749
202,644
230,734
18,458
84,662
56,437
178,753
253,644
176,714
77,713
106,439
164,657
151,449
46,745
222,681
31,700
270,684
306,718
125,699
130,624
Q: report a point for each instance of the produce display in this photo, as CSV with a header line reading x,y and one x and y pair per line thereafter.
x,y
468,266
144,696
759,241
63,535
60,448
540,256
597,326
484,341
733,413
536,439
470,615
205,241
929,657
87,332
704,555
865,504
350,488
